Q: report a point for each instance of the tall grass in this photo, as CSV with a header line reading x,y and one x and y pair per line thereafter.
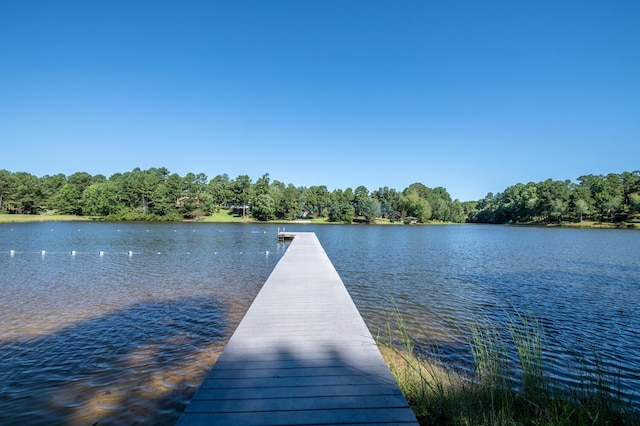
x,y
499,392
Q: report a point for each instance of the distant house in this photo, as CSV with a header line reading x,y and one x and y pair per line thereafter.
x,y
410,220
180,200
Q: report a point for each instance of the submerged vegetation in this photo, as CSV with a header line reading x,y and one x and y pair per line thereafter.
x,y
499,393
158,195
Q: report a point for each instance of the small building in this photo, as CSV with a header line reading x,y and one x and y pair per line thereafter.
x,y
410,220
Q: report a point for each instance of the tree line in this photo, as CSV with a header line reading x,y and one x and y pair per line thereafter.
x,y
610,198
157,194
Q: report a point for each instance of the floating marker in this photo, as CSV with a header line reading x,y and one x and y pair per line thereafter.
x,y
266,252
73,252
12,253
101,253
43,252
130,253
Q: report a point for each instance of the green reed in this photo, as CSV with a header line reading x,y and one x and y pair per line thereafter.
x,y
499,394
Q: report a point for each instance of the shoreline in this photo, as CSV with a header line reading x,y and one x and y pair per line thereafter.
x,y
226,218
587,224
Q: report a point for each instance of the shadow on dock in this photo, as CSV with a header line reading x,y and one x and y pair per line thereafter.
x,y
286,387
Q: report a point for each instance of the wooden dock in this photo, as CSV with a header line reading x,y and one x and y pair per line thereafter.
x,y
302,355
286,236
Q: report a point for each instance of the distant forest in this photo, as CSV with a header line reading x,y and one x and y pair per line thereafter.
x,y
156,194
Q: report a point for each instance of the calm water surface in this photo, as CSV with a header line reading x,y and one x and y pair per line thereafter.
x,y
114,337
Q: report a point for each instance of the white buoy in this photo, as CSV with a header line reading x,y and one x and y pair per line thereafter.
x,y
266,252
43,252
73,252
101,253
12,253
130,253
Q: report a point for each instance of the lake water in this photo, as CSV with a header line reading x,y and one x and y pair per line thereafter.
x,y
118,323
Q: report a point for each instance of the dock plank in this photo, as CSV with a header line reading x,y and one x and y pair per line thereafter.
x,y
301,355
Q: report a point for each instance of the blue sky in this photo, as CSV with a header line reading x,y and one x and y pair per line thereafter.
x,y
473,96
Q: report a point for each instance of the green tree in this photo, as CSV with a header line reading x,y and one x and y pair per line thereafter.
x,y
341,207
26,194
612,206
100,199
6,183
630,185
289,205
412,204
581,201
242,192
581,208
370,209
81,180
68,200
218,189
164,197
440,202
606,192
457,212
263,207
551,196
51,185
360,197
341,211
194,184
558,209
316,199
634,202
261,187
144,184
389,200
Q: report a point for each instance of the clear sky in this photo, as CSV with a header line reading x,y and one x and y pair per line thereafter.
x,y
474,96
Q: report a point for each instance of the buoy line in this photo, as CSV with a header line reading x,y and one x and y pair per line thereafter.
x,y
102,253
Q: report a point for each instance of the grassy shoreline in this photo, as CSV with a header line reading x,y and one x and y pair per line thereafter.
x,y
586,224
30,218
498,394
223,216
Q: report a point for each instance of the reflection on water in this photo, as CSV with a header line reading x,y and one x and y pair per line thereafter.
x,y
118,323
582,285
